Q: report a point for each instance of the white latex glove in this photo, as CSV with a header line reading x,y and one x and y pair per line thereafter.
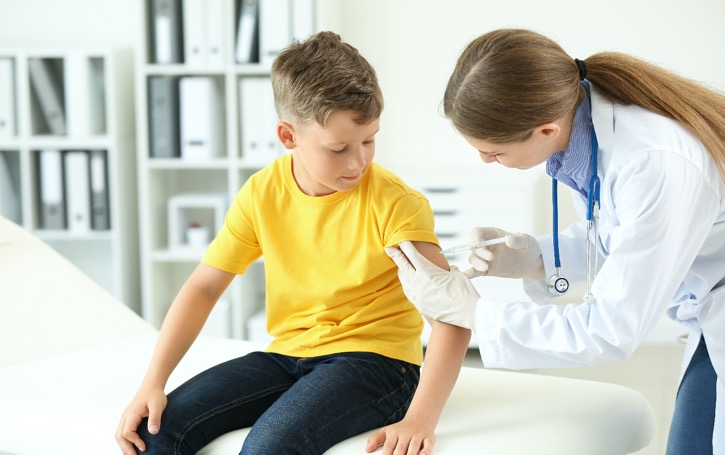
x,y
519,257
439,294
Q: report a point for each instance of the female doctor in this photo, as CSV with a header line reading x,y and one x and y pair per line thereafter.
x,y
647,145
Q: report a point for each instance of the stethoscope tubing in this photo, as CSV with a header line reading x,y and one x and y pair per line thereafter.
x,y
593,199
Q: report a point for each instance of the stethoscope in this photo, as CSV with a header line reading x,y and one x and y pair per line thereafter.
x,y
557,283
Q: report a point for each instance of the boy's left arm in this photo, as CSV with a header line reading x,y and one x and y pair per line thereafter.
x,y
443,359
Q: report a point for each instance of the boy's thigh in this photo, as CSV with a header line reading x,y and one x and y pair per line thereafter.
x,y
338,397
224,398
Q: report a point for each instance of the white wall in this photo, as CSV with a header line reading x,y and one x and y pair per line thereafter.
x,y
70,23
414,44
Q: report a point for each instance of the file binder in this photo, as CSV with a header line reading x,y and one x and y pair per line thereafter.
x,y
97,90
77,189
9,186
47,86
167,33
260,145
193,15
8,108
100,213
164,117
202,122
247,50
204,32
274,28
215,33
78,92
52,205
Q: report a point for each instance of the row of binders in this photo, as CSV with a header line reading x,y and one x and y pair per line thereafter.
x,y
73,190
194,32
67,96
186,119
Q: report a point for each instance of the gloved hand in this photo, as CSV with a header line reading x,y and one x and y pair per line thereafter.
x,y
519,257
439,294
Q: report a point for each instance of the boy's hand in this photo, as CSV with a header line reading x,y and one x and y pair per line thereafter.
x,y
149,404
404,438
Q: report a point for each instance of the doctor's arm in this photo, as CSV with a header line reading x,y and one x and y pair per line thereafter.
x,y
652,238
446,350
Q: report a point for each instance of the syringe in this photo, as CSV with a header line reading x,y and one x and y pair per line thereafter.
x,y
471,246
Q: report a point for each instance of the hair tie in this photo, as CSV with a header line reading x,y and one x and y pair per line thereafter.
x,y
582,68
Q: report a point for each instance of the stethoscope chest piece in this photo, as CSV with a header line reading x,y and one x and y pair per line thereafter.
x,y
557,285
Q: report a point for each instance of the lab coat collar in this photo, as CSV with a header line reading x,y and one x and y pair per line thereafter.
x,y
603,121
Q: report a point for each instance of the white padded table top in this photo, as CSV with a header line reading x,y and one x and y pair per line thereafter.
x,y
71,403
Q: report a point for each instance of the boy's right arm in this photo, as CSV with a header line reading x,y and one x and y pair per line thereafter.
x,y
182,325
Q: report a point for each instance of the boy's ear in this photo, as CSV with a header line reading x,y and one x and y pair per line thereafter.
x,y
287,135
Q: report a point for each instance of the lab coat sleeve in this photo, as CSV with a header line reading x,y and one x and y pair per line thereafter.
x,y
662,209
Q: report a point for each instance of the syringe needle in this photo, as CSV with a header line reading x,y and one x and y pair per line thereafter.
x,y
471,246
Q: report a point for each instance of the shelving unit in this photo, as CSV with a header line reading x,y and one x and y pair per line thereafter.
x,y
86,106
173,163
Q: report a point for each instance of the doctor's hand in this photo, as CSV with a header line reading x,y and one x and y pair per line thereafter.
x,y
519,257
439,294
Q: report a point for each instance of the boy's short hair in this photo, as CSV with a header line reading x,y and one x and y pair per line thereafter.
x,y
315,77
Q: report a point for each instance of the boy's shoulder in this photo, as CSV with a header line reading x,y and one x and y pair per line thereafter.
x,y
384,179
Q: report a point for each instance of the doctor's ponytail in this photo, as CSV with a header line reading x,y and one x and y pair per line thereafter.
x,y
509,81
628,80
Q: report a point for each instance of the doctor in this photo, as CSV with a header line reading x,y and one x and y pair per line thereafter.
x,y
647,145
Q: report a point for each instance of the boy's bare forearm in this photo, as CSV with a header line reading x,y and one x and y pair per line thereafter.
x,y
446,350
444,357
184,320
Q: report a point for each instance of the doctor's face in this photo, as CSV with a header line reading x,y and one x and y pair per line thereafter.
x,y
519,155
544,141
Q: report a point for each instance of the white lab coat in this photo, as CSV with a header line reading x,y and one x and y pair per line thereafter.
x,y
661,249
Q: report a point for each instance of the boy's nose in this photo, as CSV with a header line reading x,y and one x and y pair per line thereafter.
x,y
359,159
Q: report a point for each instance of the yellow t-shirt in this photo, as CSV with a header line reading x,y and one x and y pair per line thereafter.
x,y
330,286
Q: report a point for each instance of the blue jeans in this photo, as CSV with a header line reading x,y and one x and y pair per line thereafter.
x,y
294,405
694,419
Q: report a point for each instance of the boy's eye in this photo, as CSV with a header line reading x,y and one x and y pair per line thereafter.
x,y
339,151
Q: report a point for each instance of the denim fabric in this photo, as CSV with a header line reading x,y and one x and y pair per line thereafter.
x,y
294,405
694,419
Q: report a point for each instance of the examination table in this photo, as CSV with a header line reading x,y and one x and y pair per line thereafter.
x,y
72,356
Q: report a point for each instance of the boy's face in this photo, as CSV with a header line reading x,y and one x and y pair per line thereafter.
x,y
334,157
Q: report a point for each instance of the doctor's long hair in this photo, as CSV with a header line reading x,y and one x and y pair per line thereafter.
x,y
509,81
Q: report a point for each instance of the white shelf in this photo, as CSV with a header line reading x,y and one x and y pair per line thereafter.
x,y
163,268
100,83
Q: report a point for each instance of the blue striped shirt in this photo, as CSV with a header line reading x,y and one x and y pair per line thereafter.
x,y
572,166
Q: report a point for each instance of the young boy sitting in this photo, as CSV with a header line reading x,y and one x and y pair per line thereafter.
x,y
346,353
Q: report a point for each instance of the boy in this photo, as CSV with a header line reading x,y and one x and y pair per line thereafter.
x,y
346,352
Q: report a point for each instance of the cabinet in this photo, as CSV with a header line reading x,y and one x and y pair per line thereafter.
x,y
67,158
205,124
